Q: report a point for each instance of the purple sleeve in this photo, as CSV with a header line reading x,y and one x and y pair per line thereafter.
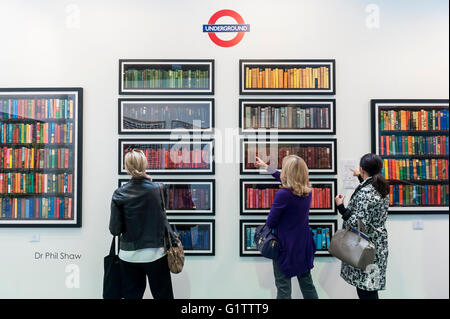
x,y
275,173
280,202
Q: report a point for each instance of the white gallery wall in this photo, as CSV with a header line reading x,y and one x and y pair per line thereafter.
x,y
46,43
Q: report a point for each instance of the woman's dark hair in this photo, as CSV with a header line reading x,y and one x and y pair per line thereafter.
x,y
373,165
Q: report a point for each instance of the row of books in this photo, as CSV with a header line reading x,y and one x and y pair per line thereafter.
x,y
250,238
36,208
35,183
415,169
167,116
413,145
36,108
36,133
188,198
193,238
316,77
419,195
162,156
422,120
166,79
35,158
321,237
321,197
287,117
316,157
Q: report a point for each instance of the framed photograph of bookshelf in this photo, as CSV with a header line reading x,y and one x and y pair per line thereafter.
x,y
411,136
187,196
165,116
247,245
323,230
282,116
197,236
256,196
319,154
41,157
168,156
287,77
162,76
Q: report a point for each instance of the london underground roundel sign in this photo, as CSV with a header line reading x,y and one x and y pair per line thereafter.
x,y
212,28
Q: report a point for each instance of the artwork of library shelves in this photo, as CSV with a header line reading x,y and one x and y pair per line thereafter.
x,y
162,76
283,116
196,235
168,156
412,136
257,196
323,230
166,116
319,154
287,77
187,196
40,157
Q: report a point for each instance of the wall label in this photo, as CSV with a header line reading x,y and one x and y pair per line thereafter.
x,y
56,256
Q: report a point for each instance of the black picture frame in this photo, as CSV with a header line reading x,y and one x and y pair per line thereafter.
x,y
330,63
77,169
183,127
191,212
408,104
331,103
212,241
254,171
178,171
244,251
148,91
265,211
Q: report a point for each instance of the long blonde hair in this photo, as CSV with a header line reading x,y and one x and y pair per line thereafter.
x,y
136,163
295,176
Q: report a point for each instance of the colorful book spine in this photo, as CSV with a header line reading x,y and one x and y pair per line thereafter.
x,y
194,238
287,78
186,198
419,195
37,109
413,145
322,237
152,78
39,208
35,183
286,117
40,133
316,157
35,158
415,169
420,120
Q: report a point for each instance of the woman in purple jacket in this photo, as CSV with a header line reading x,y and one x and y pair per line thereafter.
x,y
289,216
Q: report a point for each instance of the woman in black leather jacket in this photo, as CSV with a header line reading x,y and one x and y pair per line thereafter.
x,y
137,216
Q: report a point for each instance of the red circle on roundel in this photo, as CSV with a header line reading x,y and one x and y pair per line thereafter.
x,y
226,13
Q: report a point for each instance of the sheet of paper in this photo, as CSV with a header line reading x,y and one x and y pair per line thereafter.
x,y
349,181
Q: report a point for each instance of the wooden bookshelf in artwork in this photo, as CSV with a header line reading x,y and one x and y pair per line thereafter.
x,y
257,195
319,154
412,136
168,156
162,76
187,196
165,116
40,157
287,77
197,236
287,116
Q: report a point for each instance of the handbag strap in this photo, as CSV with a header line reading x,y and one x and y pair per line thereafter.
x,y
163,201
112,250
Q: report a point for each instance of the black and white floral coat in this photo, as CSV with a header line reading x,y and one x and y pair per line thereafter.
x,y
367,205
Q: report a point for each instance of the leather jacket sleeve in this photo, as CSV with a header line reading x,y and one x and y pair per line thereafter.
x,y
115,222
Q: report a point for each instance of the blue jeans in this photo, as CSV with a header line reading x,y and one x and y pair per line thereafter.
x,y
284,287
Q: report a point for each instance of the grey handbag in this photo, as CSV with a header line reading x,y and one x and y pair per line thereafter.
x,y
353,247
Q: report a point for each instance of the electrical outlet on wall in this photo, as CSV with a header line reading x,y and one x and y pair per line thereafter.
x,y
34,238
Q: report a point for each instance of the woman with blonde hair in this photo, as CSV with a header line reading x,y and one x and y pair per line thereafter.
x,y
289,217
137,216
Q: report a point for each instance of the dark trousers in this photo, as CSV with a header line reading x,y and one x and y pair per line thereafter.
x,y
134,277
284,287
365,294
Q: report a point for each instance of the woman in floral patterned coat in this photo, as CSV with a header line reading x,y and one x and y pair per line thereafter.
x,y
369,203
